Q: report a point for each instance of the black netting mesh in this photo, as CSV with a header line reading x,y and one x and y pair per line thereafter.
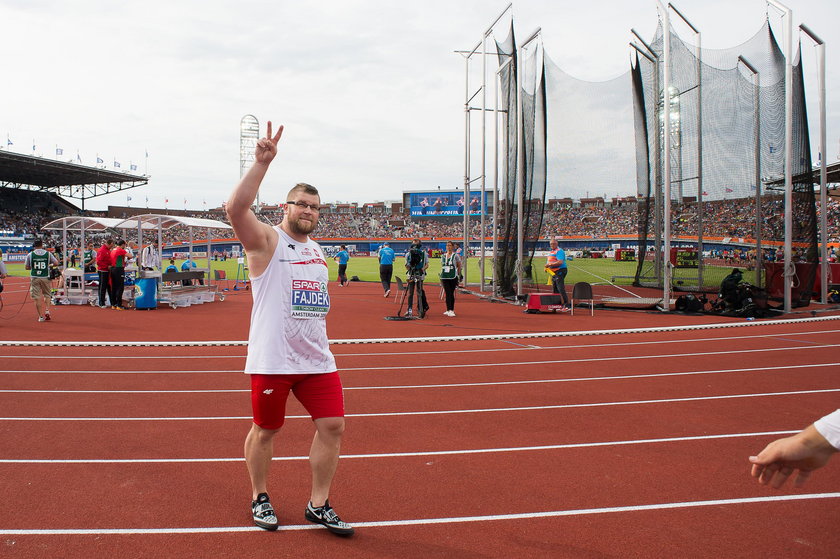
x,y
529,168
713,128
727,137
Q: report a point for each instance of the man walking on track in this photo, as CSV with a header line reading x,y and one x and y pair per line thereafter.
x,y
386,267
288,347
38,263
343,257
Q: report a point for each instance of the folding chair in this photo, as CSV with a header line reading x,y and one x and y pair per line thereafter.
x,y
401,288
583,290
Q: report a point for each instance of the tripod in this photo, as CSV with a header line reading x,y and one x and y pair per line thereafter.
x,y
415,284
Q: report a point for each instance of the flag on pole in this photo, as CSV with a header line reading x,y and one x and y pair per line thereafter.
x,y
33,146
78,157
9,141
59,151
99,159
116,164
132,166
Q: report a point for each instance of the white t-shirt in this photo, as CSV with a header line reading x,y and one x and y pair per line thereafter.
x,y
288,321
829,427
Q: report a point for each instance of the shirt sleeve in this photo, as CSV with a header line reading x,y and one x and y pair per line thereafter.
x,y
829,427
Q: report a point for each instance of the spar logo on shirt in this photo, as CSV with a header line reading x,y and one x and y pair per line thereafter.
x,y
309,299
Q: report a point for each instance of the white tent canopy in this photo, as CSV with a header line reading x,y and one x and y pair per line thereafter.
x,y
81,223
144,222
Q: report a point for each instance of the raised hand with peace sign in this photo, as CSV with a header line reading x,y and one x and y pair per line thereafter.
x,y
266,147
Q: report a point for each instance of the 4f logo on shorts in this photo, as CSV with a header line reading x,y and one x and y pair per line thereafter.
x,y
309,299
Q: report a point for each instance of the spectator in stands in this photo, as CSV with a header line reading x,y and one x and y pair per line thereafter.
x,y
38,262
386,266
119,256
103,267
806,451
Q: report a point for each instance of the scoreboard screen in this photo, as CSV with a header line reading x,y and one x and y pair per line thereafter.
x,y
684,258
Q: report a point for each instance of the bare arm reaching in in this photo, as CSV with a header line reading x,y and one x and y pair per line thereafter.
x,y
804,452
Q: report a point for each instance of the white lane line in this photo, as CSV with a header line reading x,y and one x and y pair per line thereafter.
x,y
442,412
479,337
450,385
427,521
448,366
406,454
454,351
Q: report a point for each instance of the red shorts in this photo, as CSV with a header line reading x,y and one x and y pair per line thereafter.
x,y
320,394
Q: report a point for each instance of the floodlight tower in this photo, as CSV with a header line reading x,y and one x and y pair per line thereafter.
x,y
249,133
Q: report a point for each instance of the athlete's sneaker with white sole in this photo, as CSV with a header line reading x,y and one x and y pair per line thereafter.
x,y
327,517
263,512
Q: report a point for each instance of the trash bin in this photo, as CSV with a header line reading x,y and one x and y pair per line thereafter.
x,y
145,296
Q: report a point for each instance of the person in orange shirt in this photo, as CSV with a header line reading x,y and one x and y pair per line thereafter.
x,y
557,264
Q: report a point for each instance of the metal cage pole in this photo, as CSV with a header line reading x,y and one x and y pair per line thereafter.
x,y
820,45
699,70
666,110
759,257
496,169
789,268
520,171
657,164
467,144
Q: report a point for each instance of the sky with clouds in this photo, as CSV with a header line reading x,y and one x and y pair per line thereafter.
x,y
371,92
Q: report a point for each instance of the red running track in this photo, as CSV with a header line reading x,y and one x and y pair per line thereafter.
x,y
623,445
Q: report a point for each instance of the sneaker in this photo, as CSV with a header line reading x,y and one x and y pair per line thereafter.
x,y
118,308
326,516
41,319
451,313
263,512
387,292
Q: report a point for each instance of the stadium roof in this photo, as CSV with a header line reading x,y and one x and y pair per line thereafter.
x,y
832,172
70,180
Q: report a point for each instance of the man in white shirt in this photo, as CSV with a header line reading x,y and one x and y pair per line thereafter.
x,y
288,347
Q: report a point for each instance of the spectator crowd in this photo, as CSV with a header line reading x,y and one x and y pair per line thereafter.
x,y
732,219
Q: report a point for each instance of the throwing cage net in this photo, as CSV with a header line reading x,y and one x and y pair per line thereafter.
x,y
727,135
524,163
566,138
